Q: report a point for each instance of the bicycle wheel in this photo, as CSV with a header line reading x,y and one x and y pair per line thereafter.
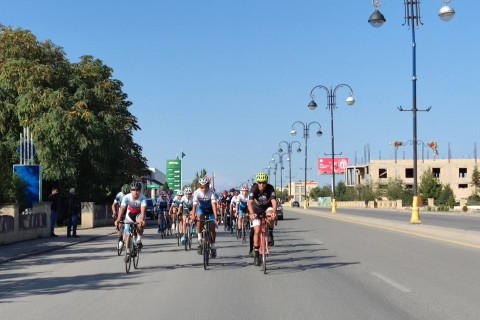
x,y
244,234
264,253
136,256
186,235
120,249
128,260
205,250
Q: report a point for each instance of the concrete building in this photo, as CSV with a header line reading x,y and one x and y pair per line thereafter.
x,y
298,189
455,172
155,180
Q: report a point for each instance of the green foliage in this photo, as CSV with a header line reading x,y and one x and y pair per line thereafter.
x,y
13,190
464,208
430,186
77,112
395,189
473,199
476,180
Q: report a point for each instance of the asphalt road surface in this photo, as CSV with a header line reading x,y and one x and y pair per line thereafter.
x,y
319,269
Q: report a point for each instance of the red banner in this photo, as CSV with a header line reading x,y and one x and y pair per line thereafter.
x,y
325,165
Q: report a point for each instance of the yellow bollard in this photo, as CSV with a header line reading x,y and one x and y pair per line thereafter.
x,y
415,219
334,206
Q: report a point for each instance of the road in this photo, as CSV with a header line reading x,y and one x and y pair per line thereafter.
x,y
320,268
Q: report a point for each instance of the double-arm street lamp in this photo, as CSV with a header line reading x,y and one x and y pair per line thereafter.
x,y
332,104
306,135
289,159
413,20
280,161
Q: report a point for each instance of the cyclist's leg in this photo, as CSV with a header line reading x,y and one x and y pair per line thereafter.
x,y
256,241
270,221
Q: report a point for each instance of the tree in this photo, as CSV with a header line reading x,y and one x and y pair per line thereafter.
x,y
475,180
430,186
77,113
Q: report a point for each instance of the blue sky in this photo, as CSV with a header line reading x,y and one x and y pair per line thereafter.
x,y
225,80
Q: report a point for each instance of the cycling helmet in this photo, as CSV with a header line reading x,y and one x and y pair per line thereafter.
x,y
180,193
213,189
203,181
136,185
261,177
232,190
187,190
125,188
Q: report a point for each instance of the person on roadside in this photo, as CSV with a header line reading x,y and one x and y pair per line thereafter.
x,y
73,213
53,198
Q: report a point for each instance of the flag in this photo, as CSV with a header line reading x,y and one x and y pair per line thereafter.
x,y
183,154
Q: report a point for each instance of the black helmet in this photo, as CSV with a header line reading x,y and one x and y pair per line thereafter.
x,y
232,190
135,185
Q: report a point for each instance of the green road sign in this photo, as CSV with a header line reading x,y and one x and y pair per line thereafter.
x,y
174,174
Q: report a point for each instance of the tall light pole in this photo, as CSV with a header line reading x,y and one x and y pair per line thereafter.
x,y
289,159
274,167
280,161
306,135
332,104
413,20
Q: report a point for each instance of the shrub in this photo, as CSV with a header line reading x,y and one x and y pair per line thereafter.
x,y
464,208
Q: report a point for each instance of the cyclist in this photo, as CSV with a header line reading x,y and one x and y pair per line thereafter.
x,y
205,207
186,206
116,207
224,201
134,204
162,207
262,197
242,206
174,208
233,208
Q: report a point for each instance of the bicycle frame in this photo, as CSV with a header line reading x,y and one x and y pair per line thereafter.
x,y
264,249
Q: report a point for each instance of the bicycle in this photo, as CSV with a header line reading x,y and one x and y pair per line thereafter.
x,y
188,234
177,228
206,243
264,249
245,227
132,252
163,223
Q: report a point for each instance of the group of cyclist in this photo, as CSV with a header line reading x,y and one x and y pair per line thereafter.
x,y
202,205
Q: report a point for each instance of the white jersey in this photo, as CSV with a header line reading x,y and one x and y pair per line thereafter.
x,y
134,206
204,200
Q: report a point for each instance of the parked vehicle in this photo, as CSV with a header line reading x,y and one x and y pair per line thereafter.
x,y
295,204
150,209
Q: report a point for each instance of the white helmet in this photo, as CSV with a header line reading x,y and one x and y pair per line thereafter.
x,y
187,190
180,193
203,181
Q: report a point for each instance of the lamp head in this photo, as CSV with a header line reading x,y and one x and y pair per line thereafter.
x,y
377,19
350,100
293,132
446,12
319,133
280,150
312,105
299,149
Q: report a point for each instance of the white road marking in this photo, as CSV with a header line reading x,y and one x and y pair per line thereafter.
x,y
317,241
390,282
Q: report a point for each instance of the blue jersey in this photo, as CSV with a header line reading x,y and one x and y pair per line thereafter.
x,y
204,201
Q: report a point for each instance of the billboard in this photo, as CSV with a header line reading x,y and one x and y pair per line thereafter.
x,y
325,165
31,175
174,173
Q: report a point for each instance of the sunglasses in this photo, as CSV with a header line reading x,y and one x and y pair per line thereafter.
x,y
262,182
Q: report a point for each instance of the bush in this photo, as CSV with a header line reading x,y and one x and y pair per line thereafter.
x,y
464,208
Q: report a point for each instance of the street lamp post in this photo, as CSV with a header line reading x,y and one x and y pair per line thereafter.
x,y
274,167
413,20
332,104
306,135
289,159
280,158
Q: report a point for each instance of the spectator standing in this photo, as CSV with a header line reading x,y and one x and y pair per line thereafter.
x,y
53,198
73,211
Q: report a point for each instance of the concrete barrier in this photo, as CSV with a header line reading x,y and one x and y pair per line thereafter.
x,y
94,215
20,226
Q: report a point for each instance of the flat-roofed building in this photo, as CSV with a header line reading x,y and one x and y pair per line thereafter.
x,y
455,172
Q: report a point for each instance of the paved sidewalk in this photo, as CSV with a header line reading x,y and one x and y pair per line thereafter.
x,y
19,250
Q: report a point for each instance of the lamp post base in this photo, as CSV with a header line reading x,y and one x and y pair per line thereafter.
x,y
415,219
334,206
